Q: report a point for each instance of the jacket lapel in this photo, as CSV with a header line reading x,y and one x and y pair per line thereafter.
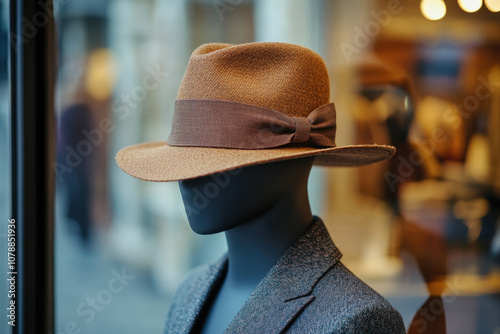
x,y
288,286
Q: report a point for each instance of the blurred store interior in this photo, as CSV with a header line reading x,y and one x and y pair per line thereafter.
x,y
422,229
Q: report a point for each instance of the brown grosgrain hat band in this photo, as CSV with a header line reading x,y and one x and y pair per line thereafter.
x,y
227,124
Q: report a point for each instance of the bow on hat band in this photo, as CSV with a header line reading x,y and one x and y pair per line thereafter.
x,y
227,124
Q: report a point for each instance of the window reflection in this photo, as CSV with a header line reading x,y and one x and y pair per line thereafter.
x,y
422,229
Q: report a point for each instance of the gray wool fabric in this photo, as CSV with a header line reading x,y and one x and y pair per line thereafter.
x,y
307,291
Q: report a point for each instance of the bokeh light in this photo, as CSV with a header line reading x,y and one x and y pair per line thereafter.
x,y
433,9
492,5
470,6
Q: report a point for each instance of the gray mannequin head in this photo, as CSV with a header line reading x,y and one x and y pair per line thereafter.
x,y
222,201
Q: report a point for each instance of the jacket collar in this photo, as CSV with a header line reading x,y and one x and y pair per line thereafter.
x,y
285,290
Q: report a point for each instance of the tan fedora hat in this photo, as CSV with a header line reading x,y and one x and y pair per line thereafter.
x,y
248,104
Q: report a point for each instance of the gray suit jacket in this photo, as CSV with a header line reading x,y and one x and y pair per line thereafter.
x,y
307,291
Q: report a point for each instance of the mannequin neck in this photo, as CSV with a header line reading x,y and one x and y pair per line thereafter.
x,y
255,246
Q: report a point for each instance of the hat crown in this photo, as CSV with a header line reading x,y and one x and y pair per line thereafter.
x,y
284,77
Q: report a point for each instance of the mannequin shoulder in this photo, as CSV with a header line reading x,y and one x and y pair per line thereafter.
x,y
185,299
348,305
193,279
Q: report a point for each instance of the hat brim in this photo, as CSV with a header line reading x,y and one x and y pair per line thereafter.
x,y
160,162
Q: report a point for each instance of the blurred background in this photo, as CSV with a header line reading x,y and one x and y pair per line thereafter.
x,y
422,229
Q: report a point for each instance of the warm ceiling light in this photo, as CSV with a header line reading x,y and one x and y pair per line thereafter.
x,y
493,5
433,9
470,6
101,74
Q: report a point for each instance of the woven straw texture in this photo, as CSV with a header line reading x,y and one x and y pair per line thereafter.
x,y
284,77
279,76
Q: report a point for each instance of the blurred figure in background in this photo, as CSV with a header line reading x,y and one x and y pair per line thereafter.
x,y
83,145
386,103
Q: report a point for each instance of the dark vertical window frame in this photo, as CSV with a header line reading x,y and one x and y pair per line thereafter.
x,y
32,81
